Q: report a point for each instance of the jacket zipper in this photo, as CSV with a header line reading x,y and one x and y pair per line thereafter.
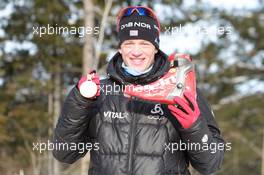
x,y
131,143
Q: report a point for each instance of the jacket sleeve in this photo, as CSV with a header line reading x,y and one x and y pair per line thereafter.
x,y
69,133
207,150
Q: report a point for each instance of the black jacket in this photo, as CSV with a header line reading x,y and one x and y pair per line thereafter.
x,y
134,137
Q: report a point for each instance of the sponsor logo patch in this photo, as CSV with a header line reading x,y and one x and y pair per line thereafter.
x,y
120,115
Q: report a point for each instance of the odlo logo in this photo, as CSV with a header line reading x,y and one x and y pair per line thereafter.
x,y
157,113
157,110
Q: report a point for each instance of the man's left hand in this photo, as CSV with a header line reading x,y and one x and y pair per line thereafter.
x,y
186,111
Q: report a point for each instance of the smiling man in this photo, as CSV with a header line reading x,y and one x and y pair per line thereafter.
x,y
138,55
128,136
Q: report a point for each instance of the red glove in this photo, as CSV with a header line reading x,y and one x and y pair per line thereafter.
x,y
89,85
185,113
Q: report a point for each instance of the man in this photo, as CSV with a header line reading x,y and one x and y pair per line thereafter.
x,y
129,141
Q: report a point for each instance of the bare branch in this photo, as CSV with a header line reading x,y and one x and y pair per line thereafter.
x,y
229,99
249,66
101,34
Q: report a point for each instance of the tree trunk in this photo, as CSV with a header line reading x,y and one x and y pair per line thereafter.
x,y
262,162
88,61
56,111
35,161
88,50
50,112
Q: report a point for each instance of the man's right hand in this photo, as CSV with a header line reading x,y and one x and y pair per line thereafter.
x,y
89,85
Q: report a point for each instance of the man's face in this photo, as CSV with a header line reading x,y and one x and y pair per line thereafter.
x,y
138,54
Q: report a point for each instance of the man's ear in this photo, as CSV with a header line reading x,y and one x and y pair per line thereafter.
x,y
156,51
119,50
